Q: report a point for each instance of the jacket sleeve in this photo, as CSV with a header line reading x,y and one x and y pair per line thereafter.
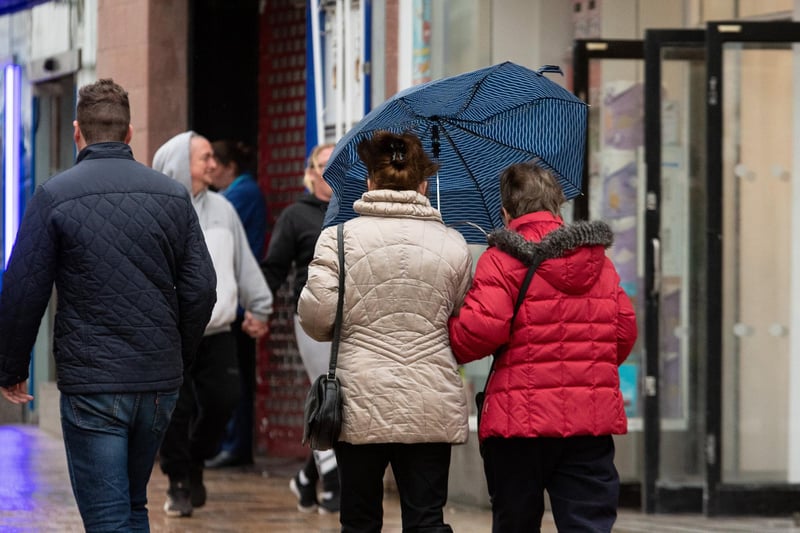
x,y
26,288
254,294
482,324
463,282
317,304
196,287
281,252
626,326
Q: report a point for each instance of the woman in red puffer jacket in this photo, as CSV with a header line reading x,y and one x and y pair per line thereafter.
x,y
553,400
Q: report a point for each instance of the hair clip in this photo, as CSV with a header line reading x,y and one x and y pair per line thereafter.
x,y
398,151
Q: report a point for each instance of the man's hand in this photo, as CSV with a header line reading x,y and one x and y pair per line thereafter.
x,y
254,327
17,393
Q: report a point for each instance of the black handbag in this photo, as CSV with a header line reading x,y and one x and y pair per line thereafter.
x,y
481,396
323,408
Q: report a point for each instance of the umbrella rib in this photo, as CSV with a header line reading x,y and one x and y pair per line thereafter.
x,y
469,171
533,155
459,126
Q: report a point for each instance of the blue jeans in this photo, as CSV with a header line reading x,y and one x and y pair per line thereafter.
x,y
111,442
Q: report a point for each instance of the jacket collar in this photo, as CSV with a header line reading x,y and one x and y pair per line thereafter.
x,y
391,203
105,150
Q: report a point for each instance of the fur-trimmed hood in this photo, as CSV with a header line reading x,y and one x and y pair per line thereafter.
x,y
556,243
572,255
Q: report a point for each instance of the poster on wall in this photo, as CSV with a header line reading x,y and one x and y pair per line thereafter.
x,y
343,52
621,140
629,386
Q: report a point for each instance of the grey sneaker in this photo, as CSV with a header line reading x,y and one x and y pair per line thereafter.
x,y
178,500
306,495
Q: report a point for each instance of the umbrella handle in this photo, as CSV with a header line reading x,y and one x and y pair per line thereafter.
x,y
436,146
438,205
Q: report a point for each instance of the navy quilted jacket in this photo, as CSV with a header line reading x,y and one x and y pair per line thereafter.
x,y
133,277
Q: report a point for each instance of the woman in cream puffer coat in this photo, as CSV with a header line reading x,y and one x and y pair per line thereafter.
x,y
404,399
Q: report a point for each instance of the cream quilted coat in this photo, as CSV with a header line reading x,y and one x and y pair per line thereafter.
x,y
405,273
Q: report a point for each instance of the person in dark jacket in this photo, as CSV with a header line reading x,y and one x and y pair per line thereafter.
x,y
233,178
135,287
553,401
292,244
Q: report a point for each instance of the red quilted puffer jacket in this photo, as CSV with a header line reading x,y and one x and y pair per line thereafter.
x,y
559,374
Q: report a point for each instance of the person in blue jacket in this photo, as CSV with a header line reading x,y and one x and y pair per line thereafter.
x,y
135,287
234,179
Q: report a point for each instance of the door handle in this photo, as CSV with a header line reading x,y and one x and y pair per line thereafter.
x,y
656,244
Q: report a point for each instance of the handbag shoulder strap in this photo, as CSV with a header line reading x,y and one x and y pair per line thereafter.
x,y
523,290
337,325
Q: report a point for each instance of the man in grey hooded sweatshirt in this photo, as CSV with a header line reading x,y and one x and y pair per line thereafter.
x,y
211,387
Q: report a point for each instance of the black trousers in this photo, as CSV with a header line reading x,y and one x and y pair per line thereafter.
x,y
238,440
577,472
421,472
207,398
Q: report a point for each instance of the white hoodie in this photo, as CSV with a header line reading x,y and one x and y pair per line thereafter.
x,y
239,279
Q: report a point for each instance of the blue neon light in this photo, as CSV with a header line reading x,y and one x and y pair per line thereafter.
x,y
12,155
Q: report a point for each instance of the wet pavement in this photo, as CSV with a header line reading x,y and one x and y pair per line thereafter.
x,y
35,496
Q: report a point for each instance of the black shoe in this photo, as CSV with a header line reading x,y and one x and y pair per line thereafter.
x,y
329,503
225,459
306,495
196,487
178,500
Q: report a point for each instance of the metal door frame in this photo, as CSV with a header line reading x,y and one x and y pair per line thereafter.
x,y
721,498
658,498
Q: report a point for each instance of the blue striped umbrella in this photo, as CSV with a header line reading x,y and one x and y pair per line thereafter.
x,y
475,125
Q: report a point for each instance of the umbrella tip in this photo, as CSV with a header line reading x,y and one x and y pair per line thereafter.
x,y
550,69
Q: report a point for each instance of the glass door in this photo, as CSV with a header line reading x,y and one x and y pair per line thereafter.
x,y
674,422
753,270
609,76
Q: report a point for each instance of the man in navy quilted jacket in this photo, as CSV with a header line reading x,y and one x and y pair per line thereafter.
x,y
135,287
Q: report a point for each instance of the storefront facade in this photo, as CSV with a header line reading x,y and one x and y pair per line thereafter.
x,y
715,353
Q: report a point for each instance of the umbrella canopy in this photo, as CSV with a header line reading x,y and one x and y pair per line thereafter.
x,y
475,125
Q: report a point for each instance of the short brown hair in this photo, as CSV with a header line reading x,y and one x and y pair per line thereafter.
x,y
104,113
396,161
528,188
228,151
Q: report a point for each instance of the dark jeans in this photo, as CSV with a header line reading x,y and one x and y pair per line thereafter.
x,y
207,398
239,432
111,442
577,472
421,472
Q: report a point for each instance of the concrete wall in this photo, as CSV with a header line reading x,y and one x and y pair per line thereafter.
x,y
147,54
532,33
